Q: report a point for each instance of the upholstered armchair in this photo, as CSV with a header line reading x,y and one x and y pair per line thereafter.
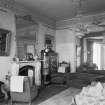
x,y
59,77
29,92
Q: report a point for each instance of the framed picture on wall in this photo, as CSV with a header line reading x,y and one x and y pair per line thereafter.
x,y
5,37
49,40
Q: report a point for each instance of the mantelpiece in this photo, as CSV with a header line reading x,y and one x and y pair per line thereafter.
x,y
25,63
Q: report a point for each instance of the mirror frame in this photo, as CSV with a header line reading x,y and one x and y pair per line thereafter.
x,y
5,39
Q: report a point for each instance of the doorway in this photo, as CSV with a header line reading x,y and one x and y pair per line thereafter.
x,y
97,54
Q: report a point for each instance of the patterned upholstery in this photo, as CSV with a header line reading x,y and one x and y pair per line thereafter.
x,y
28,94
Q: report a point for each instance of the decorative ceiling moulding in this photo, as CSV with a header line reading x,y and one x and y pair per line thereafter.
x,y
20,10
28,28
80,9
95,34
84,19
13,6
2,10
8,4
28,18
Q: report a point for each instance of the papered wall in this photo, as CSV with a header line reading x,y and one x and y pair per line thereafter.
x,y
42,31
7,21
26,36
66,47
33,35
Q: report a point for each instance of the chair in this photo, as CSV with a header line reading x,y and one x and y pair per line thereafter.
x,y
59,76
28,94
2,95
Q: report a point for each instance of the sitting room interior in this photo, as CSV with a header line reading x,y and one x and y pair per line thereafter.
x,y
50,49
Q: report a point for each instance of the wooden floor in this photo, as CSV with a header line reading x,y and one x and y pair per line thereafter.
x,y
63,98
53,95
48,92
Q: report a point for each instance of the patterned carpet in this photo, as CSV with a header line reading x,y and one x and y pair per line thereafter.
x,y
63,98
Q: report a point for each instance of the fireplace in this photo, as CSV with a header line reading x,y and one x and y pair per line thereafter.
x,y
27,68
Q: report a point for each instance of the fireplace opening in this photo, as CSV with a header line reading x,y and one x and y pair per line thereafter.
x,y
24,71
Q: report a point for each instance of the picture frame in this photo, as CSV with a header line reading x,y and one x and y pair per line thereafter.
x,y
5,37
49,40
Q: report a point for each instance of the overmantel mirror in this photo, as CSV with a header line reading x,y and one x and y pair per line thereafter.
x,y
5,36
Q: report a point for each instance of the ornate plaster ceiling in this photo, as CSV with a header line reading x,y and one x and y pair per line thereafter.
x,y
63,9
63,13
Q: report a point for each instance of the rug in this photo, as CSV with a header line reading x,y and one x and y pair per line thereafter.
x,y
63,98
44,94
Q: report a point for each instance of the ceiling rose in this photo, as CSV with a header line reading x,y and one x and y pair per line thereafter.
x,y
79,9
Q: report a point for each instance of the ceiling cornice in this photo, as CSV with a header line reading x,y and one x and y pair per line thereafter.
x,y
94,34
62,24
8,4
68,23
20,10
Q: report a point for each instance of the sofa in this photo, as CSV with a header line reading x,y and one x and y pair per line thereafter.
x,y
84,78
